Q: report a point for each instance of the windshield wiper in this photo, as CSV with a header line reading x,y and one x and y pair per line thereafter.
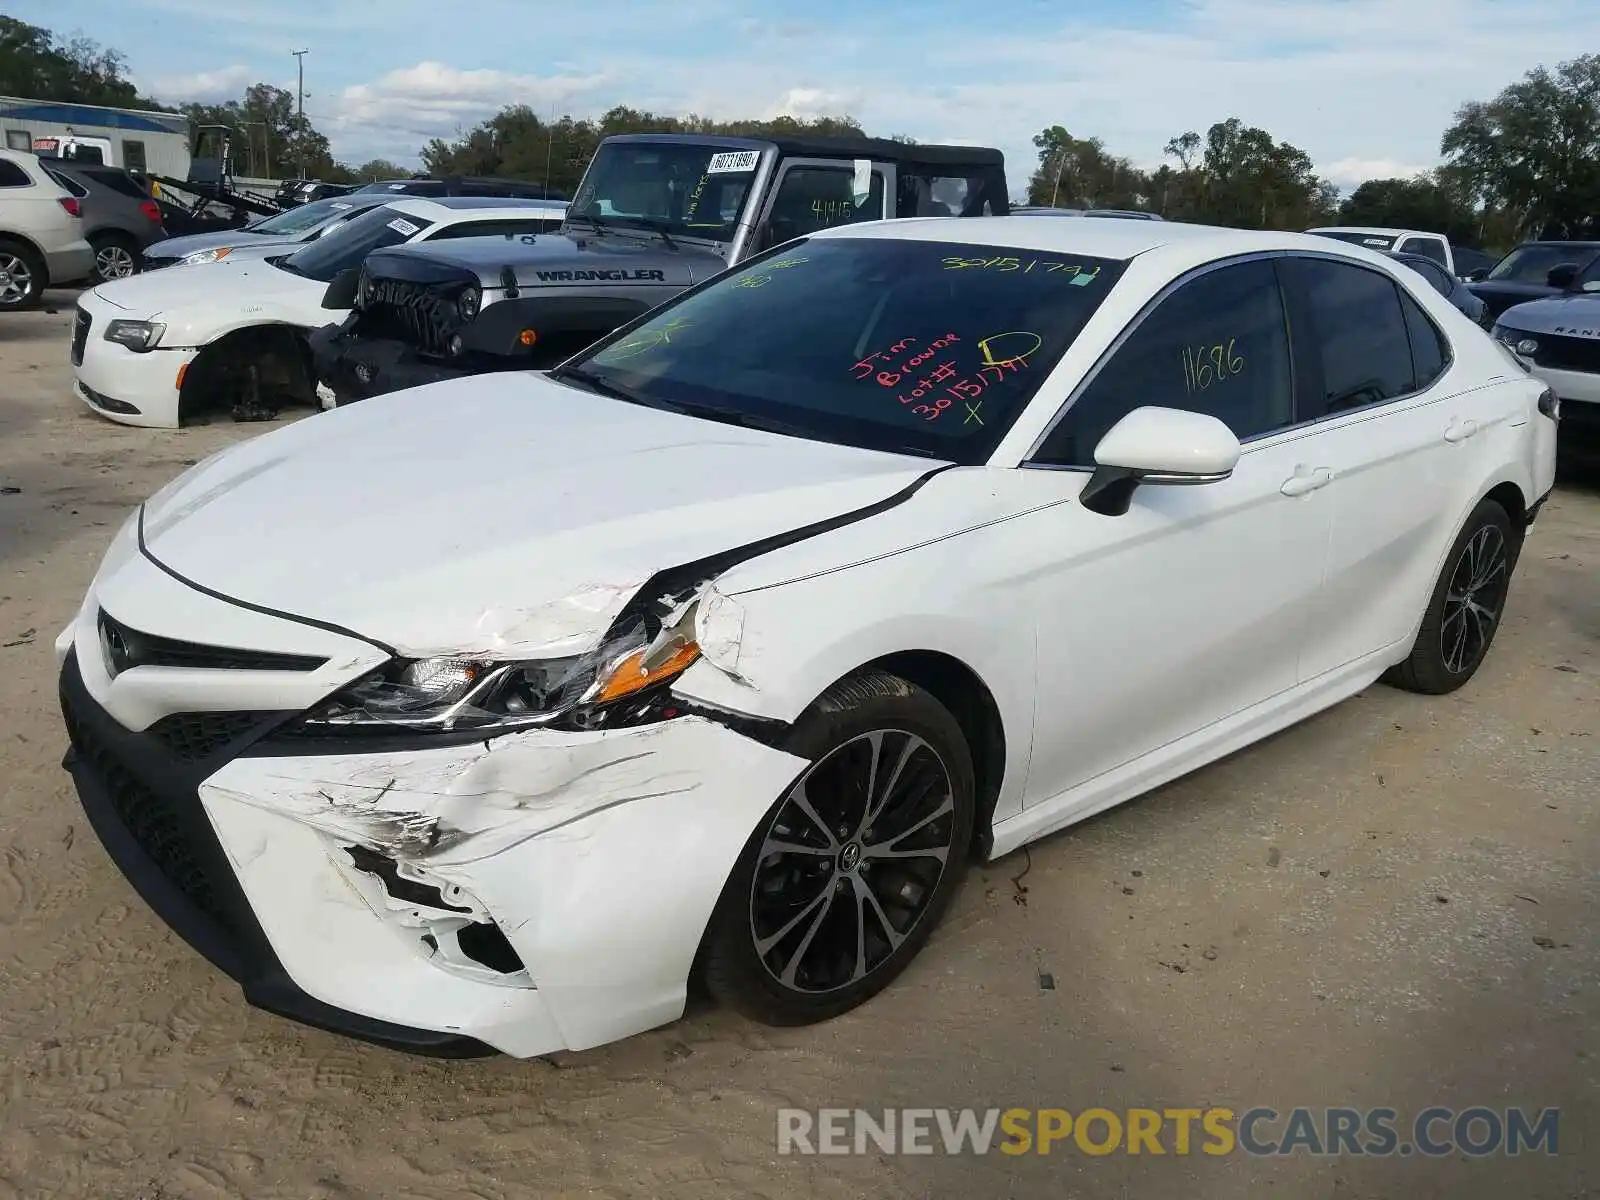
x,y
588,218
657,227
601,386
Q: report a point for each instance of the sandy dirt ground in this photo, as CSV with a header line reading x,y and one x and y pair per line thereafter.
x,y
1395,904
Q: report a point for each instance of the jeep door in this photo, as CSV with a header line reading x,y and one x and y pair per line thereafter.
x,y
809,194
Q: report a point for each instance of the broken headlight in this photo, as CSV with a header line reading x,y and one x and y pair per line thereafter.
x,y
467,303
620,683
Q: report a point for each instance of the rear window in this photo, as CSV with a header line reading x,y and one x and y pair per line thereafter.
x,y
349,244
1372,241
929,348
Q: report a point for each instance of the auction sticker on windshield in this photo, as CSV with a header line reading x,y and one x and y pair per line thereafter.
x,y
403,227
733,160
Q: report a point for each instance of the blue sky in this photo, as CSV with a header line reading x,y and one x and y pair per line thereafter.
x,y
1364,86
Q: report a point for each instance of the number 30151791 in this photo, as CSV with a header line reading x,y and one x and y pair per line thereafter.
x,y
1207,365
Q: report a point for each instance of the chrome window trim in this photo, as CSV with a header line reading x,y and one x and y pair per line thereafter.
x,y
1235,260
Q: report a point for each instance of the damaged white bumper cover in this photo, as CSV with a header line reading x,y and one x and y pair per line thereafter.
x,y
587,863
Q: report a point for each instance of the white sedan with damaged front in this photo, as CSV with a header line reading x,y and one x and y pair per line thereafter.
x,y
487,714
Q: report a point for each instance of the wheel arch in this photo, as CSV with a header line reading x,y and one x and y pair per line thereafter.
x,y
29,244
271,337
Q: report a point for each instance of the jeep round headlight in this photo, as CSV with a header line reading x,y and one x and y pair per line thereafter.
x,y
467,303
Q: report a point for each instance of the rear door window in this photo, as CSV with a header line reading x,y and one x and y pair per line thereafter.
x,y
1357,332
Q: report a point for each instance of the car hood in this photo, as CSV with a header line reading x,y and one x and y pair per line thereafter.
x,y
1571,316
225,285
551,259
502,514
177,247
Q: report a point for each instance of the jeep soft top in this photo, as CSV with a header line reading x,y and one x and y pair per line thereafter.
x,y
653,214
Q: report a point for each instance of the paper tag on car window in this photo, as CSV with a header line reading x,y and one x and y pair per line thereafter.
x,y
733,160
861,188
403,227
397,187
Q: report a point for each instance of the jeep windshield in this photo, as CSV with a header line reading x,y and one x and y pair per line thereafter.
x,y
680,188
349,245
894,344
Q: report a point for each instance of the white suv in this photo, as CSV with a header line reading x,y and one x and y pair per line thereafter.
x,y
41,233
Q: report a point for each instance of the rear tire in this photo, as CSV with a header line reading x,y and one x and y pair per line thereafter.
x,y
1466,607
116,256
22,276
849,871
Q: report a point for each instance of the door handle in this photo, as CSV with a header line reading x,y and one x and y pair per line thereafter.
x,y
1306,480
1460,431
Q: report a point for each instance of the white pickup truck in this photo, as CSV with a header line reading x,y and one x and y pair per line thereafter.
x,y
1402,241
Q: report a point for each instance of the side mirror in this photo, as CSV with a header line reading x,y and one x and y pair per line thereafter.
x,y
1166,446
341,292
1561,276
1475,276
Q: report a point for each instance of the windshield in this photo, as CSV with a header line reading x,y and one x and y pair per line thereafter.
x,y
1531,264
688,190
349,245
302,219
930,348
1373,241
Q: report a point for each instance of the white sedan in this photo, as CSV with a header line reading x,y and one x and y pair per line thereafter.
x,y
484,715
161,348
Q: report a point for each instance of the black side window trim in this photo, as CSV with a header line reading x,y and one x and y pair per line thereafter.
x,y
1296,373
1305,358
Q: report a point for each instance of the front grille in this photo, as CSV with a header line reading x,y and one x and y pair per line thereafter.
x,y
196,736
1567,353
419,314
80,336
152,818
126,648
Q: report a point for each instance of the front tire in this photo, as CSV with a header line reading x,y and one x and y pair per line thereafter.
x,y
847,874
1466,607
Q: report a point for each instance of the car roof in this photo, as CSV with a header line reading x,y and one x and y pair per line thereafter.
x,y
822,147
1113,238
1375,230
445,208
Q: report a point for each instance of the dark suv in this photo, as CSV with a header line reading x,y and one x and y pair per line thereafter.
x,y
119,217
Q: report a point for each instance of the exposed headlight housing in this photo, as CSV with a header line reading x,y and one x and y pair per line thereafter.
x,y
467,303
214,254
457,344
621,682
138,336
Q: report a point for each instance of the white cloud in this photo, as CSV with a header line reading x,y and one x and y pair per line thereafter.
x,y
1350,172
206,87
396,114
1365,87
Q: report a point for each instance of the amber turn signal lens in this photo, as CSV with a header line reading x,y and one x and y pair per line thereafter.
x,y
630,675
527,337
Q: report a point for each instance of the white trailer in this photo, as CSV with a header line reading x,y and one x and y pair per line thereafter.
x,y
156,143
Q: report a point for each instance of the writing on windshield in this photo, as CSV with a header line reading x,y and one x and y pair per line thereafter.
x,y
872,342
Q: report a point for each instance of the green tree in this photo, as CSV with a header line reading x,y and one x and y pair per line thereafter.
x,y
1080,173
35,65
1420,203
518,144
270,139
1534,150
379,168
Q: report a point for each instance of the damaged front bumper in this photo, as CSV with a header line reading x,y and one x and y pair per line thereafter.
x,y
563,910
358,368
